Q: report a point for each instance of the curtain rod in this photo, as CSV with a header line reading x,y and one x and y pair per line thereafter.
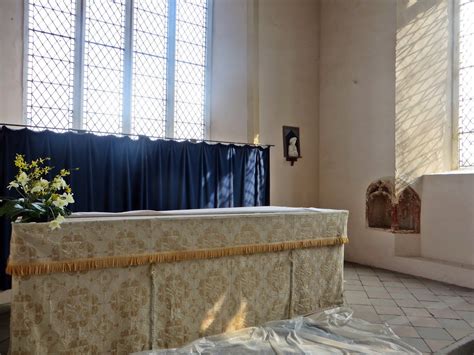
x,y
133,135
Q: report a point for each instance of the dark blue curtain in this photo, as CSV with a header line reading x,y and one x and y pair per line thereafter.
x,y
120,174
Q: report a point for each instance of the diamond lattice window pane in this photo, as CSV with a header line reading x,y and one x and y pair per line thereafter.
x,y
50,68
466,149
149,67
52,49
466,84
191,16
103,65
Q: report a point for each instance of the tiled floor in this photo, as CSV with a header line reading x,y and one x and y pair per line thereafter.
x,y
426,314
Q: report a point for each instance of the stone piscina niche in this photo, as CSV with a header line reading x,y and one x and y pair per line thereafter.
x,y
384,211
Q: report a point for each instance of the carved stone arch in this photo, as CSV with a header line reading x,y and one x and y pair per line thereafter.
x,y
408,211
379,204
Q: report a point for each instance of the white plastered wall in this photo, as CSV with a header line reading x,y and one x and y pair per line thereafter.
x,y
376,111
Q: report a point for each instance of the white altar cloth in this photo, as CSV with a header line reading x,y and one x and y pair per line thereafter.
x,y
118,283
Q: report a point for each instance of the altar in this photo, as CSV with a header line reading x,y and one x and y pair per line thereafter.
x,y
125,282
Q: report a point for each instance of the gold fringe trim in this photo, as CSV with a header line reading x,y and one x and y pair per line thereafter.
x,y
40,268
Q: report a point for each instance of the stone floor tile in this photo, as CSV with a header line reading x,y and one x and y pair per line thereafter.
x,y
467,316
433,333
416,312
353,282
348,294
365,272
356,297
424,322
417,343
408,278
455,324
463,306
436,345
350,287
402,296
442,292
465,293
420,291
374,288
351,276
409,303
414,285
382,302
394,319
459,333
434,304
370,281
358,301
394,284
405,331
426,297
397,290
388,278
368,316
451,300
388,310
469,299
443,313
377,292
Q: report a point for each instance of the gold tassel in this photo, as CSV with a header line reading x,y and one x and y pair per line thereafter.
x,y
40,268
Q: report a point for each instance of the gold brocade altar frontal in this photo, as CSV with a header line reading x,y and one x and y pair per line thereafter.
x,y
38,268
125,284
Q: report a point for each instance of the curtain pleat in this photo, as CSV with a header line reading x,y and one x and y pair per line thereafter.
x,y
119,174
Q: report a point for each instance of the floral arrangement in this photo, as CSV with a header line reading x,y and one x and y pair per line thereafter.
x,y
41,200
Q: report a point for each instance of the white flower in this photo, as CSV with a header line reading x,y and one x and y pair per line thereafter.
x,y
40,185
12,184
55,223
63,200
60,202
68,197
22,178
37,188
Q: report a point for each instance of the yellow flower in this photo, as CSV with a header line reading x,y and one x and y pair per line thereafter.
x,y
56,223
64,172
20,162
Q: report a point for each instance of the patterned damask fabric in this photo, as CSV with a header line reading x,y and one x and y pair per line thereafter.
x,y
94,312
107,237
211,297
122,310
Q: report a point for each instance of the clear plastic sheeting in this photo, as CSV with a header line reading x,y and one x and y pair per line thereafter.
x,y
333,331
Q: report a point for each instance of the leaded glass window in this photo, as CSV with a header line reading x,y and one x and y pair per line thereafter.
x,y
465,93
118,66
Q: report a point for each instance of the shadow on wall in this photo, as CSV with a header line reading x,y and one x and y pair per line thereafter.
x,y
385,211
422,126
